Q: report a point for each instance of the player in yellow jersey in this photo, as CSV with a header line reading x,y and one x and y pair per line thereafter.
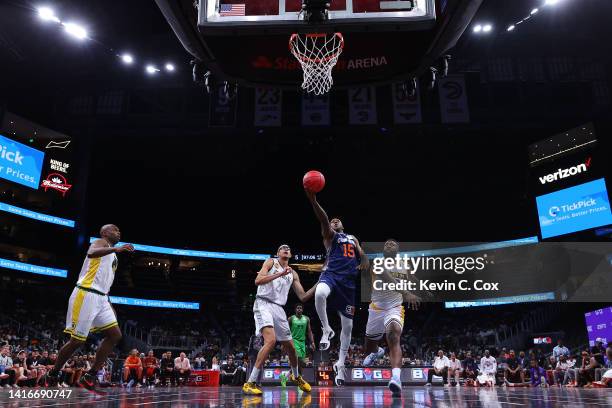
x,y
89,309
386,318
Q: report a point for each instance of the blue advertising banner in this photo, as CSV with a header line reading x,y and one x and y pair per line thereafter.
x,y
39,270
194,253
574,209
13,209
169,304
20,163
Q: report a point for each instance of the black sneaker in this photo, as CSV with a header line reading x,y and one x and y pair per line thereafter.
x,y
88,382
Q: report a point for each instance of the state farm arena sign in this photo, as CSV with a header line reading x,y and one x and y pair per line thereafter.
x,y
290,64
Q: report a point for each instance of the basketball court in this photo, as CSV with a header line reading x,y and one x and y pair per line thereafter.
x,y
328,397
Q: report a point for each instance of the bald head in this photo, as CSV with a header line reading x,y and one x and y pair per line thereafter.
x,y
111,233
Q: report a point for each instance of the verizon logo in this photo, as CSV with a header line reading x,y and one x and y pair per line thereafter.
x,y
564,173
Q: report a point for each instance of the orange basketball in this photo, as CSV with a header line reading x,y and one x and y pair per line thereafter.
x,y
314,181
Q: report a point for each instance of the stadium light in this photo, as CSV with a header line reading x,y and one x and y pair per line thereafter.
x,y
487,28
76,30
151,69
511,27
169,67
534,11
47,14
550,2
127,58
477,28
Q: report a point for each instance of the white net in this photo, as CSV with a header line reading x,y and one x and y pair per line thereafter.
x,y
318,54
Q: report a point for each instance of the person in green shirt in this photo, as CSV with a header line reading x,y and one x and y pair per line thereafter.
x,y
300,325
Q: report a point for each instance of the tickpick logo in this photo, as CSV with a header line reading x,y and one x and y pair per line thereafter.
x,y
554,210
563,173
15,157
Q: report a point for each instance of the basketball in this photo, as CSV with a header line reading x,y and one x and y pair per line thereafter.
x,y
314,181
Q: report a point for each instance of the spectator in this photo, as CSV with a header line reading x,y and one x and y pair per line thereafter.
x,y
20,366
537,374
182,369
470,369
7,373
523,361
132,369
200,362
215,364
454,369
167,369
549,367
228,372
513,374
67,373
488,369
103,376
560,350
440,368
586,373
570,377
151,369
561,370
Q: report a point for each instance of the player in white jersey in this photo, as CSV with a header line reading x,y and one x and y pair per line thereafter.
x,y
386,316
89,309
273,282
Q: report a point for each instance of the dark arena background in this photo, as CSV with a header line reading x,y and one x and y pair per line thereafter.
x,y
465,130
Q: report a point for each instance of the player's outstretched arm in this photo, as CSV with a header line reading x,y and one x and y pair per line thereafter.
x,y
299,289
321,215
310,336
364,262
263,277
100,248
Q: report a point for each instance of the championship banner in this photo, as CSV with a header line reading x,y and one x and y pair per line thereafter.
x,y
268,107
453,99
362,106
222,108
406,108
315,110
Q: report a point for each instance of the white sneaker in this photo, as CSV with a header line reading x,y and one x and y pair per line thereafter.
x,y
326,336
138,385
395,386
447,385
457,385
428,385
373,356
339,371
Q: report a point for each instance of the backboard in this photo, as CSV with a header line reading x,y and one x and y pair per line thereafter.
x,y
247,42
221,15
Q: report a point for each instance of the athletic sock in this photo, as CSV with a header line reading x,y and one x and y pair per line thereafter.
x,y
397,374
254,375
295,371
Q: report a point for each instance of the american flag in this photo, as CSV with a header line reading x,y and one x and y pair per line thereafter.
x,y
226,10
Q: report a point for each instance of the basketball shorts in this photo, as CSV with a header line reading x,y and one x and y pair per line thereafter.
x,y
88,312
379,319
300,348
342,296
269,314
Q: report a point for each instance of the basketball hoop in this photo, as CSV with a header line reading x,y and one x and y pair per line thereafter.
x,y
317,54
